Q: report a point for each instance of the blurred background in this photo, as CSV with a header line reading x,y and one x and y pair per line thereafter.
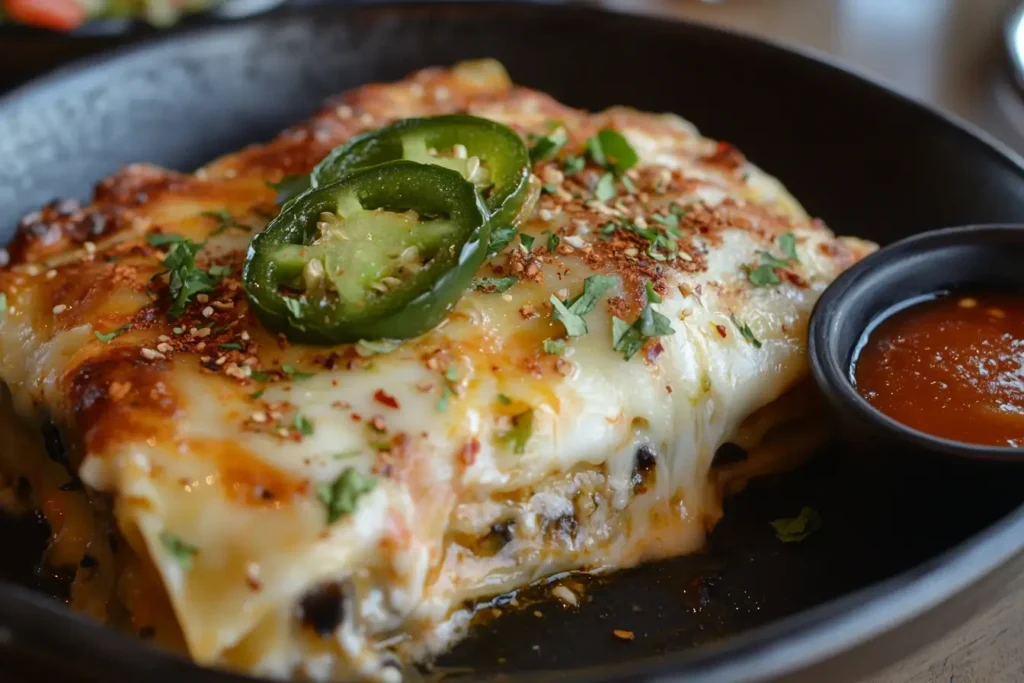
x,y
952,53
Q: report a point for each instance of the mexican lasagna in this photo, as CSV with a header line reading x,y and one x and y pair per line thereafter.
x,y
298,496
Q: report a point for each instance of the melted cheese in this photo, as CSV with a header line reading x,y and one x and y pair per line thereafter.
x,y
163,421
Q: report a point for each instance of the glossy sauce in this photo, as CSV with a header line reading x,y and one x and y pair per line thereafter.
x,y
952,367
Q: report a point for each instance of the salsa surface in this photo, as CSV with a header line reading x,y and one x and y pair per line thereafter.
x,y
952,367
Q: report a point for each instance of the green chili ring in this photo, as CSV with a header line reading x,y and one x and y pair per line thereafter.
x,y
500,151
369,203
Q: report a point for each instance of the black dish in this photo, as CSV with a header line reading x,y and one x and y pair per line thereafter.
x,y
980,258
895,564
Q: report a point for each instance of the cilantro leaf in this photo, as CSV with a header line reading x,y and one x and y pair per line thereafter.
x,y
182,552
571,313
573,165
652,296
495,284
232,346
184,278
500,239
605,189
224,221
549,145
611,150
628,339
796,529
555,347
745,330
3,302
367,348
762,276
109,336
772,261
787,243
553,241
504,400
340,496
302,425
519,433
527,241
293,373
159,239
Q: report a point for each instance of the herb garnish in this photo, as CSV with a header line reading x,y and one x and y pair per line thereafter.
x,y
519,433
232,346
451,377
294,374
495,284
553,241
340,495
571,313
745,330
302,425
504,400
796,529
224,221
611,150
367,348
573,165
549,145
605,189
3,302
764,273
500,239
182,552
526,241
628,339
652,296
184,278
555,347
109,336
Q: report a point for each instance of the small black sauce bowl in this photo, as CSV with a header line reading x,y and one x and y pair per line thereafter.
x,y
969,259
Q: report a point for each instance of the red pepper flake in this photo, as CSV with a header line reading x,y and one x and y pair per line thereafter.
x,y
380,396
653,351
721,331
378,424
668,388
622,634
469,452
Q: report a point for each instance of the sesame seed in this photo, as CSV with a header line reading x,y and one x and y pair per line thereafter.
x,y
632,251
641,222
366,118
344,112
205,332
258,417
201,346
221,360
33,270
50,274
163,347
208,311
552,175
202,298
150,354
440,93
164,338
545,215
90,248
244,335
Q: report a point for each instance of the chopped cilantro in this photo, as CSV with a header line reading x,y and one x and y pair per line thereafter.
x,y
367,348
549,188
224,221
293,373
289,188
573,165
184,278
302,425
553,241
609,228
774,262
549,145
442,403
500,239
347,453
628,339
787,243
796,529
652,296
527,241
745,330
182,552
556,347
451,374
628,184
504,400
605,188
678,209
519,433
611,150
109,336
762,276
232,346
571,313
3,302
256,394
219,271
669,221
495,284
261,376
340,496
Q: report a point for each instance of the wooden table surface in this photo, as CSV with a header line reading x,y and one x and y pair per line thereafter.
x,y
948,53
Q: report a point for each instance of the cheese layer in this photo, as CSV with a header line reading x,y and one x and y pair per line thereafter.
x,y
207,442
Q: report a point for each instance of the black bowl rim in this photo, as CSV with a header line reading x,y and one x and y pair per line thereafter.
x,y
833,375
765,653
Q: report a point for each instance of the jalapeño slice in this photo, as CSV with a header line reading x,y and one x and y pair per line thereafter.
x,y
383,253
490,155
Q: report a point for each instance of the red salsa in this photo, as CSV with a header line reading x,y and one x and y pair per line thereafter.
x,y
952,367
